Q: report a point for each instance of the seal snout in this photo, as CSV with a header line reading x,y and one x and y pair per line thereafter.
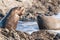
x,y
21,11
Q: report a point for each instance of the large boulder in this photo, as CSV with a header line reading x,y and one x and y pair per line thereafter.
x,y
5,34
46,35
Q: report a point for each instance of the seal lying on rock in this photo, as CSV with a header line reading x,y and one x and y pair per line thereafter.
x,y
48,22
11,19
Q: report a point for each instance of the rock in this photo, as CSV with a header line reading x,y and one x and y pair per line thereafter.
x,y
5,34
6,5
43,35
49,7
57,37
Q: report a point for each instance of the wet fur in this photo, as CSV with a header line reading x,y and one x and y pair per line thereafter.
x,y
10,21
48,22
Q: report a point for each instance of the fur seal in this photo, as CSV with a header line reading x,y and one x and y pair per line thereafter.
x,y
48,22
11,19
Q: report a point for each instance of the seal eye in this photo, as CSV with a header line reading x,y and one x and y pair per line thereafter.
x,y
19,14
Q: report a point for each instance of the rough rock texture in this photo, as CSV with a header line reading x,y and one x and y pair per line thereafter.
x,y
6,5
45,35
57,37
5,34
46,7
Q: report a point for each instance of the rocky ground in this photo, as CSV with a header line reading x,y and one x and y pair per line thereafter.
x,y
46,7
42,35
5,34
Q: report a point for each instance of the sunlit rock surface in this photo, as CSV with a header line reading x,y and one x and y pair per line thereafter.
x,y
46,35
46,7
5,34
